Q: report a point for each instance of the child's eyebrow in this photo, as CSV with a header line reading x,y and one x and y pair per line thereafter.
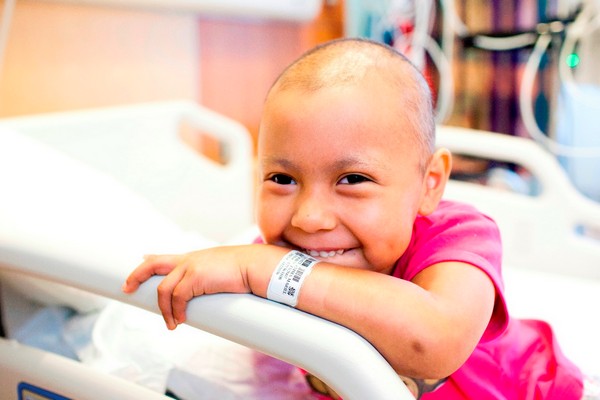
x,y
346,163
359,164
279,163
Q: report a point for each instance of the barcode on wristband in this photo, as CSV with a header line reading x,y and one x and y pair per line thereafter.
x,y
286,281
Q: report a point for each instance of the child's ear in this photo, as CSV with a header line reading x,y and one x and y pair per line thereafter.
x,y
434,182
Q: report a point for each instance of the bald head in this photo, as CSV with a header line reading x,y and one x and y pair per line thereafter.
x,y
347,62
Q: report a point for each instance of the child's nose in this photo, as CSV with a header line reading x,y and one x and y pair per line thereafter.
x,y
314,214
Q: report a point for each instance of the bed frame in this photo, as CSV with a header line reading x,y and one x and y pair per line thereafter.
x,y
86,192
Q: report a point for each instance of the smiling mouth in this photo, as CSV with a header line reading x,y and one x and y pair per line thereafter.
x,y
323,253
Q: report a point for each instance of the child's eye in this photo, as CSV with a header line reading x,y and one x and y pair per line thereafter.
x,y
282,179
353,179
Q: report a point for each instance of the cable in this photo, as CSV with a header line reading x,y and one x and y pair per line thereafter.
x,y
445,100
526,106
505,43
451,27
441,56
422,43
586,22
417,43
454,21
494,43
420,37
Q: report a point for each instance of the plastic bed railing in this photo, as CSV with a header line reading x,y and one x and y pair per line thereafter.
x,y
86,193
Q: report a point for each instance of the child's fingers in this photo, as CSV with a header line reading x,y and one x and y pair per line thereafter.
x,y
165,297
182,294
152,265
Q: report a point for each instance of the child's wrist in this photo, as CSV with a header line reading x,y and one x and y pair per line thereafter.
x,y
289,275
257,263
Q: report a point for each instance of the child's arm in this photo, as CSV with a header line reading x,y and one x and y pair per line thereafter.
x,y
228,269
425,328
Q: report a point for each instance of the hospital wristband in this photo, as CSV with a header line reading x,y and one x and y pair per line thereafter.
x,y
288,277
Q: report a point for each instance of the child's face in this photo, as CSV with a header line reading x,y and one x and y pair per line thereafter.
x,y
334,181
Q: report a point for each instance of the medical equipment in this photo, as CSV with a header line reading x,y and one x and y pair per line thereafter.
x,y
406,25
85,193
573,139
409,26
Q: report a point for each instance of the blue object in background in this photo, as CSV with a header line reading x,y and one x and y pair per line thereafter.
x,y
578,125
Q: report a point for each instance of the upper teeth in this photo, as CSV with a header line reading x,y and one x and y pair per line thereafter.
x,y
324,254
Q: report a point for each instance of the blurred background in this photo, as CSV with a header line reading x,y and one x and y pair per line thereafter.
x,y
519,67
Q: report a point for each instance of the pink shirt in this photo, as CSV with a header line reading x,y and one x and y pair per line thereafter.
x,y
515,359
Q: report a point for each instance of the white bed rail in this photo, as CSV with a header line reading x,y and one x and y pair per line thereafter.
x,y
341,357
140,147
551,240
29,373
555,230
73,234
96,255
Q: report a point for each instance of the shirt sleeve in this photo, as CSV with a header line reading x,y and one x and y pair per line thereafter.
x,y
458,232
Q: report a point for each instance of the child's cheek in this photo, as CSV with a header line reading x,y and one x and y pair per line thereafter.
x,y
271,220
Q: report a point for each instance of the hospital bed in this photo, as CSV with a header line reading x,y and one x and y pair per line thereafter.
x,y
86,193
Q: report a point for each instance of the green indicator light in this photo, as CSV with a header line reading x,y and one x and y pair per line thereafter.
x,y
572,60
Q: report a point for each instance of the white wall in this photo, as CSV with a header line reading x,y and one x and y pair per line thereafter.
x,y
68,56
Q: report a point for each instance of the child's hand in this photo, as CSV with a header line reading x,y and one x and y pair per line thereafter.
x,y
214,270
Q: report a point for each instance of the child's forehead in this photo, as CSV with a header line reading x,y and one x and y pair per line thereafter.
x,y
358,109
336,144
373,98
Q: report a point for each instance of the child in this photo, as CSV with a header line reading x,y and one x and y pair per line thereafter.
x,y
349,202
